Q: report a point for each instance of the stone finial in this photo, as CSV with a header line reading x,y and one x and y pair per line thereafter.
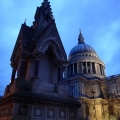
x,y
25,21
80,38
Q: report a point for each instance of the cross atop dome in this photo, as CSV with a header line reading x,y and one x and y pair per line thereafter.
x,y
80,38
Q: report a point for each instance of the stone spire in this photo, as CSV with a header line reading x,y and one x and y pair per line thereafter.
x,y
43,17
81,38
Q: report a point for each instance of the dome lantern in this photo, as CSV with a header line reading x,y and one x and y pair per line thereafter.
x,y
81,38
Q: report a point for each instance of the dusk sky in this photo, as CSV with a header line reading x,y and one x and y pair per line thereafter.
x,y
99,21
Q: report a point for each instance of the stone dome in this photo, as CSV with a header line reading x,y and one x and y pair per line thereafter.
x,y
84,60
80,48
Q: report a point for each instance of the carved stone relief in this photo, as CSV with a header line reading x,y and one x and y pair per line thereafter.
x,y
23,110
72,114
38,112
62,114
50,113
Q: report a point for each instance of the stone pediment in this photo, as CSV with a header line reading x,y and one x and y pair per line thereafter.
x,y
51,37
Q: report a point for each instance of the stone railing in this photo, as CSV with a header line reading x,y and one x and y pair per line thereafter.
x,y
112,76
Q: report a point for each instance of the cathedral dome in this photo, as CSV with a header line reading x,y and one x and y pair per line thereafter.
x,y
80,48
84,60
82,51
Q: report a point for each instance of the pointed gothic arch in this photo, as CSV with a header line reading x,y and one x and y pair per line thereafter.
x,y
45,45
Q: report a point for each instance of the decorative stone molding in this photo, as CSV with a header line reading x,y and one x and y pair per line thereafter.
x,y
33,100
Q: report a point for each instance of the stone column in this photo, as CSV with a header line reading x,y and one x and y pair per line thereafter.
x,y
98,67
13,75
66,72
36,68
86,67
104,70
77,88
60,74
78,70
73,72
101,70
69,70
94,67
91,70
81,65
67,75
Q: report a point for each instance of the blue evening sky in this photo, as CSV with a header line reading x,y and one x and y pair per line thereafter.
x,y
99,21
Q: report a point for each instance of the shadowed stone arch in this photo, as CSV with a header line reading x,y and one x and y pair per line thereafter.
x,y
56,48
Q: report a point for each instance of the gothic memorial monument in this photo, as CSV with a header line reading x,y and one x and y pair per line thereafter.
x,y
38,58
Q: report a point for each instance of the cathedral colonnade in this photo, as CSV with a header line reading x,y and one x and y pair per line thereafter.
x,y
85,67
